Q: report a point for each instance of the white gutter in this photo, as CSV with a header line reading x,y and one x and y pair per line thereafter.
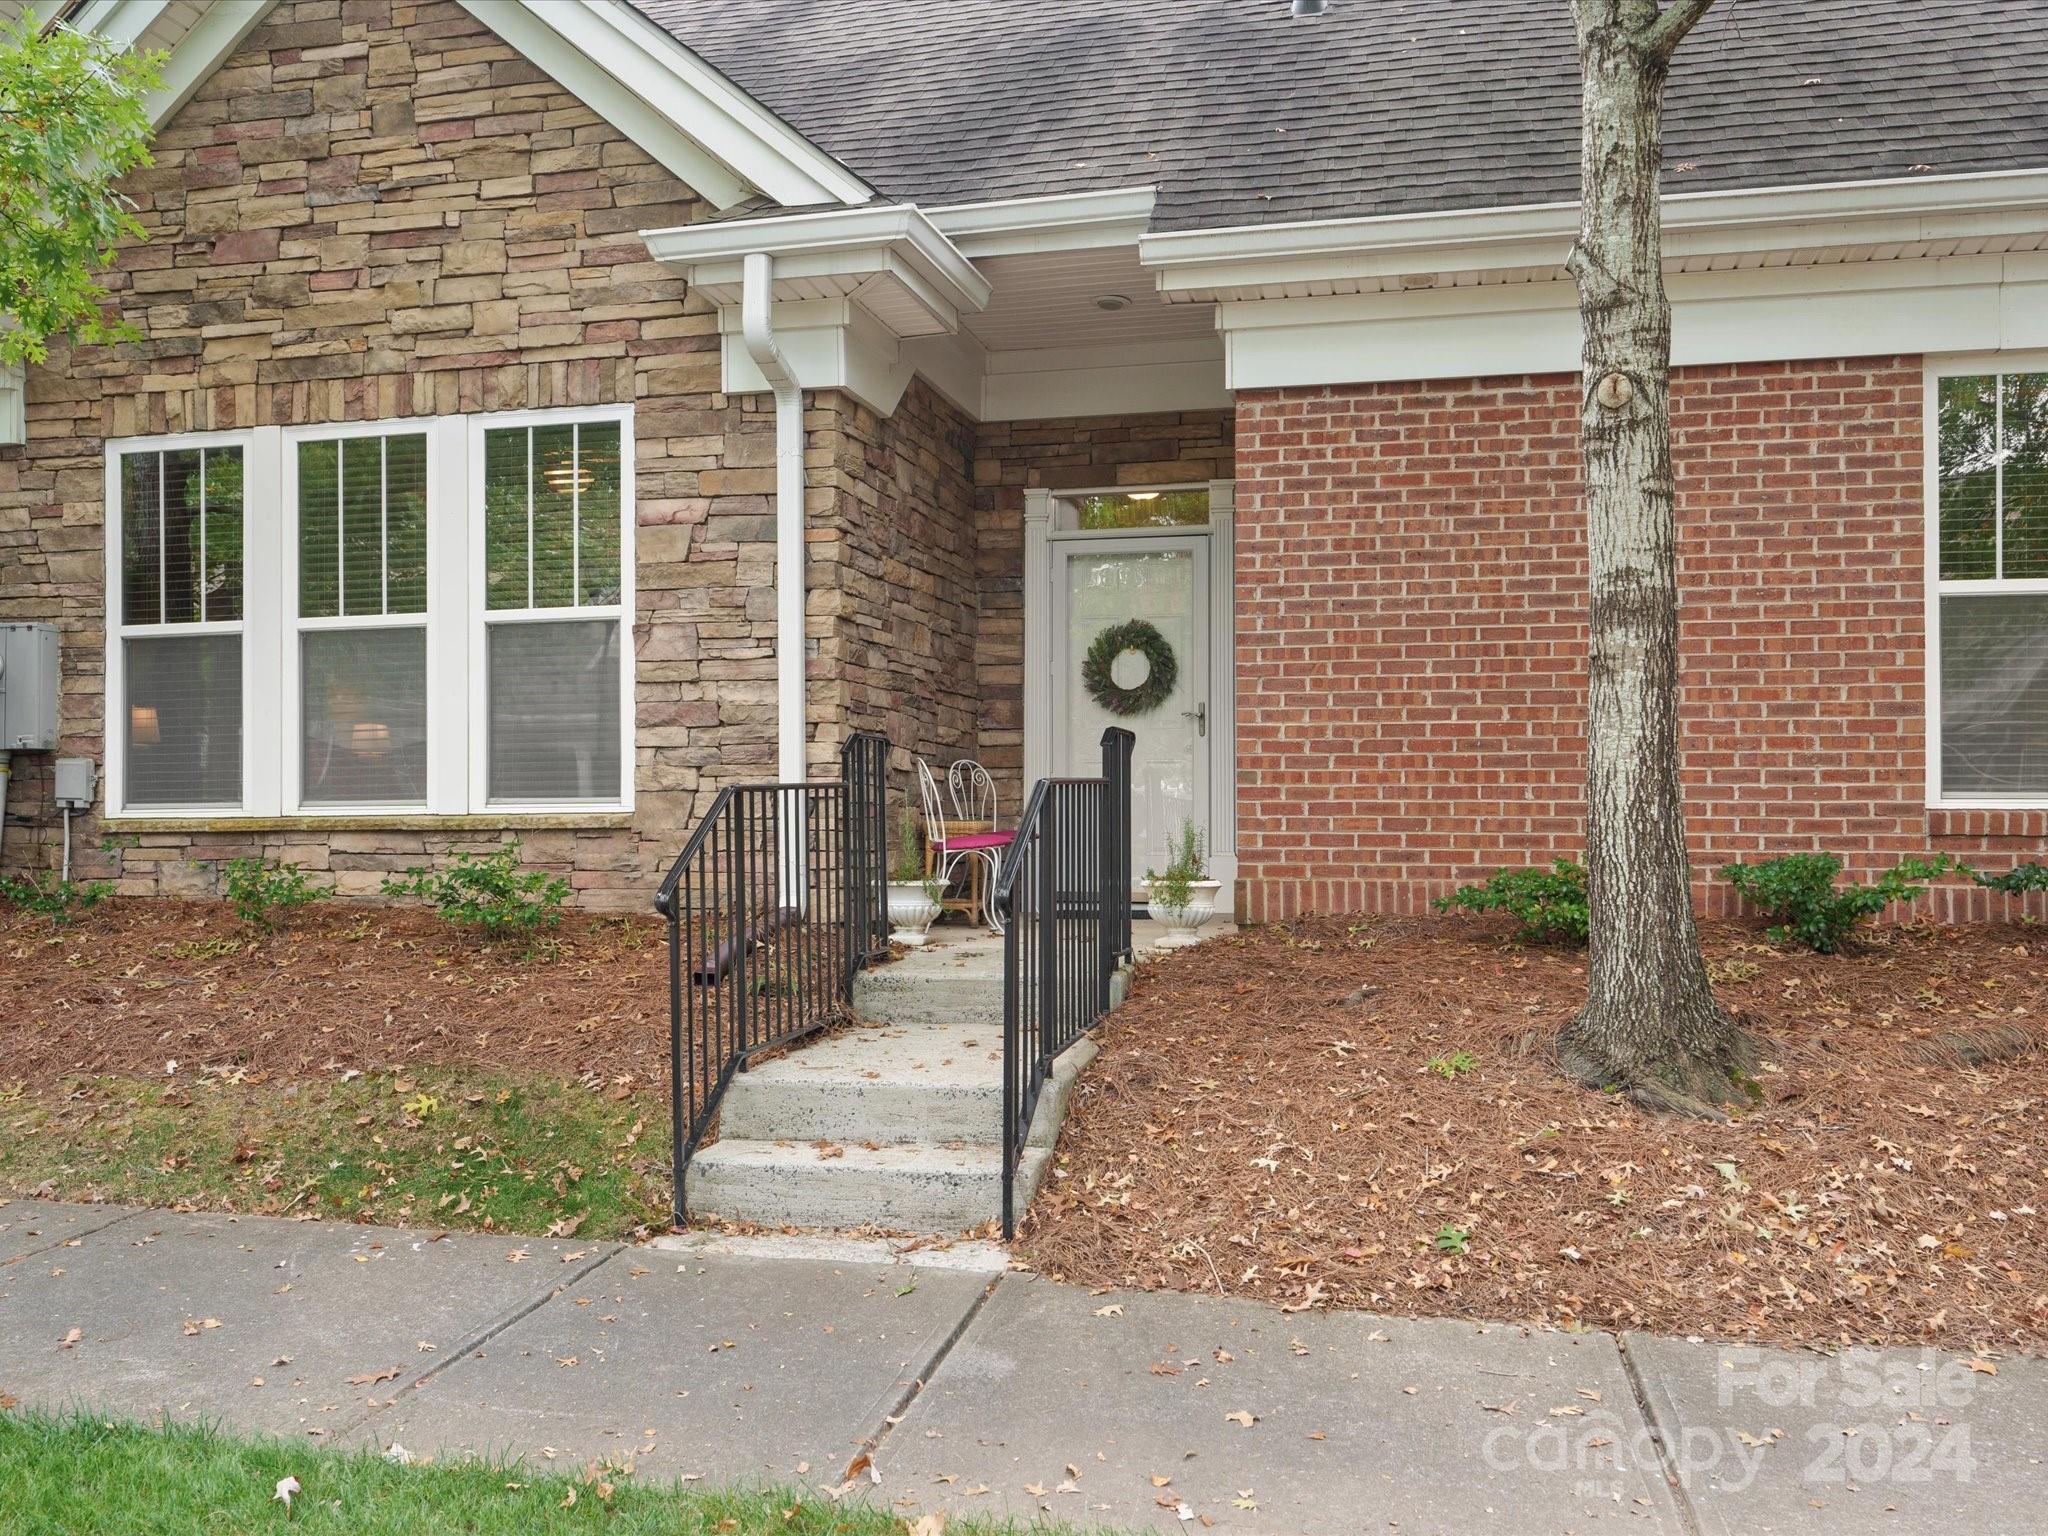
x,y
1908,198
756,291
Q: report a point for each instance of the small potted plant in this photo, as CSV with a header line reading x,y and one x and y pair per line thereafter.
x,y
913,895
1184,897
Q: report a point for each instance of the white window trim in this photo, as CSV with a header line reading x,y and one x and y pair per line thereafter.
x,y
458,716
260,598
480,619
1937,369
447,716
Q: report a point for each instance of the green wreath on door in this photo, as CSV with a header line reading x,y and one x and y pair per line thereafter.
x,y
1162,670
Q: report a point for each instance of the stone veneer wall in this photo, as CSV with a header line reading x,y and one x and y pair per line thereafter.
x,y
376,209
893,601
1011,457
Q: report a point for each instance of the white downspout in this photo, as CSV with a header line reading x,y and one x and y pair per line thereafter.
x,y
757,285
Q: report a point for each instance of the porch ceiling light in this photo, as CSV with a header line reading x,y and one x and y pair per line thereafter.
x,y
1112,301
1144,495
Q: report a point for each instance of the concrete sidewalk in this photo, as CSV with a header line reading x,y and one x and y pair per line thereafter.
x,y
983,1392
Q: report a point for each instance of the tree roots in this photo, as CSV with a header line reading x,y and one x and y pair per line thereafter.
x,y
1704,1081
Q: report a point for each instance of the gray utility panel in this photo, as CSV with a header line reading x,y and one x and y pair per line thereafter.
x,y
28,688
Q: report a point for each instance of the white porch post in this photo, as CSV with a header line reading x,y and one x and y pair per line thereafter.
x,y
1223,681
1038,508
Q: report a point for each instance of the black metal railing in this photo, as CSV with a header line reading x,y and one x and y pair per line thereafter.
x,y
774,904
1064,894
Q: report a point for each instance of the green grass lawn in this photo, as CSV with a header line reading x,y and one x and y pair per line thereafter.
x,y
88,1476
437,1147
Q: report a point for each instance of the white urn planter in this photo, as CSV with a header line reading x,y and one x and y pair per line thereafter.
x,y
1183,923
911,910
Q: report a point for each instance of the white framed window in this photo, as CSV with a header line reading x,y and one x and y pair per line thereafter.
x,y
1987,562
358,619
183,596
553,591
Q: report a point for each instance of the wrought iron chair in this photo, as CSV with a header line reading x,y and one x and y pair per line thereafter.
x,y
968,834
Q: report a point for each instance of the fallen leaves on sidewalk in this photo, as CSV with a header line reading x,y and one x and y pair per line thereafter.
x,y
371,1378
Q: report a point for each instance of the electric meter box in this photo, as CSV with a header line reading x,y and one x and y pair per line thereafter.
x,y
28,687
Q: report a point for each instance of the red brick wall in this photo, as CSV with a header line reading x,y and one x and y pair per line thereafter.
x,y
1411,643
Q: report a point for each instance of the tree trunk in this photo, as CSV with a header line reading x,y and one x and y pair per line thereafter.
x,y
1650,1025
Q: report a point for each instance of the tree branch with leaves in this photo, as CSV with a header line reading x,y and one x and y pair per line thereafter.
x,y
1651,1026
73,121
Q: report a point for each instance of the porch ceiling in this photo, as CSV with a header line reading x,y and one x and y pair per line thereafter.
x,y
1047,299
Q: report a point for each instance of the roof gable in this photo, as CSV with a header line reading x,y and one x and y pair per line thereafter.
x,y
687,116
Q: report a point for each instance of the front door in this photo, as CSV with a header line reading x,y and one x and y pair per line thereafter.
x,y
1098,585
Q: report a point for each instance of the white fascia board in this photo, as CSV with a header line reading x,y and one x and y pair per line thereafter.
x,y
1222,262
193,56
120,22
1782,314
1067,221
840,242
724,122
526,28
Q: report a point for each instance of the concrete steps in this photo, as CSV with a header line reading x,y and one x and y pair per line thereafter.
x,y
906,1187
894,1122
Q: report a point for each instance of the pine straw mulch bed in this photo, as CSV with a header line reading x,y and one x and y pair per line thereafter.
x,y
133,984
1263,1121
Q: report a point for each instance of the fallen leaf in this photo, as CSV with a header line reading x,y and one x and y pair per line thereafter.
x,y
1982,1367
1114,1309
1241,1417
286,1487
369,1378
71,1338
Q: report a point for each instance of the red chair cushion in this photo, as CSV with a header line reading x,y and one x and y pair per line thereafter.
x,y
974,840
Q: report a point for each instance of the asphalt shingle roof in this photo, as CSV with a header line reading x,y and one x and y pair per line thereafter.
x,y
1245,115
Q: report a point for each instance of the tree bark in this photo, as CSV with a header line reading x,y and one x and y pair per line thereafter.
x,y
1651,1026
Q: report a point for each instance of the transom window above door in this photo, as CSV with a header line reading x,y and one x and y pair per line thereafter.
x,y
403,617
1125,511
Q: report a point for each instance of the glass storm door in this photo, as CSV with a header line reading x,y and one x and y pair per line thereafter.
x,y
1101,583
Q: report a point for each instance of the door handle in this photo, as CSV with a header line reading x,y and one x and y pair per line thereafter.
x,y
1200,715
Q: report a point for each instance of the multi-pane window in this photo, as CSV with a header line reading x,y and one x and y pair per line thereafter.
x,y
362,607
414,616
552,613
181,574
1991,559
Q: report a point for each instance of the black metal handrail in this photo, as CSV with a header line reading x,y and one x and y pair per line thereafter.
x,y
775,903
1064,894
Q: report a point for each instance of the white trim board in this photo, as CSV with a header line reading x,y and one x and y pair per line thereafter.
x,y
670,102
1779,314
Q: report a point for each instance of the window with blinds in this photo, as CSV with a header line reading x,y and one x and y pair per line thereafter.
x,y
553,525
362,605
180,607
424,616
1991,577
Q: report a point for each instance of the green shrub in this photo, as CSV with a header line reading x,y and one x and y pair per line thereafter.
x,y
58,900
263,893
487,891
1797,893
1549,904
1187,862
2016,881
